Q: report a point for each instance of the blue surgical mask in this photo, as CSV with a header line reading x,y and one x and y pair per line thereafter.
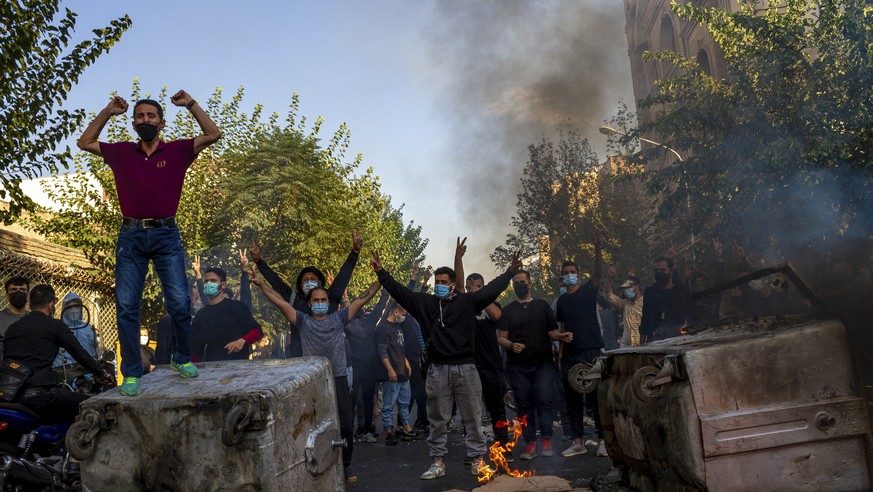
x,y
562,290
211,289
320,308
571,279
309,285
630,293
441,291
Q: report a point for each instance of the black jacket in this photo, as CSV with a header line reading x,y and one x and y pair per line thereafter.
x,y
447,325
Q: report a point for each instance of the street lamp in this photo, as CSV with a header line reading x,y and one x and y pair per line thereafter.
x,y
606,130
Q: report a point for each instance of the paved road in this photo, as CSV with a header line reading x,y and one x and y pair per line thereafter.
x,y
398,468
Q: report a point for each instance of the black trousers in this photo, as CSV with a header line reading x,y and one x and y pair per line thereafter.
x,y
493,390
55,405
346,416
577,402
419,394
532,386
364,383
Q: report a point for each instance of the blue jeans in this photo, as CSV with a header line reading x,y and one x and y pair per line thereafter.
x,y
163,246
399,393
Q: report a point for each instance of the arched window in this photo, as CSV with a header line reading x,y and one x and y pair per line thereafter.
x,y
703,61
668,38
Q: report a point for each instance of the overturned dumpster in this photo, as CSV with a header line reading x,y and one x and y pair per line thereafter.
x,y
770,403
251,425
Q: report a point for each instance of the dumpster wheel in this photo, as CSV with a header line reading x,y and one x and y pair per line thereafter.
x,y
81,436
235,422
642,384
577,381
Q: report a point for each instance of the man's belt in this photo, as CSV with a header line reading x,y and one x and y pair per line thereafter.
x,y
148,223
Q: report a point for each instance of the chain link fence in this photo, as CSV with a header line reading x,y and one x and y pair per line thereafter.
x,y
97,296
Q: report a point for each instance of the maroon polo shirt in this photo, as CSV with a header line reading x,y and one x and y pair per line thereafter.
x,y
149,186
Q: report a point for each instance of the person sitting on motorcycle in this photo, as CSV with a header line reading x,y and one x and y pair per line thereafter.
x,y
34,342
84,332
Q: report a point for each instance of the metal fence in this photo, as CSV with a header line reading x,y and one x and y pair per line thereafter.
x,y
98,297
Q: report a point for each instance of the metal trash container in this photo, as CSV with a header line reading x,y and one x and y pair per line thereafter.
x,y
245,425
766,404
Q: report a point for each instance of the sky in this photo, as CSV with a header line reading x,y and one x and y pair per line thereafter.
x,y
442,98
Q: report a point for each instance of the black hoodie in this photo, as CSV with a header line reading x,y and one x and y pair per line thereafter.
x,y
448,325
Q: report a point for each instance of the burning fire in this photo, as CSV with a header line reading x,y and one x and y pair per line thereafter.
x,y
497,453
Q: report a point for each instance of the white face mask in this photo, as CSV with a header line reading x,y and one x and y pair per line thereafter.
x,y
143,340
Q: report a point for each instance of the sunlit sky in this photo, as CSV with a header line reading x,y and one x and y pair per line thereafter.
x,y
368,64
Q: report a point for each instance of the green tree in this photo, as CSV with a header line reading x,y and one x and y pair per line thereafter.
x,y
568,199
266,181
782,145
37,71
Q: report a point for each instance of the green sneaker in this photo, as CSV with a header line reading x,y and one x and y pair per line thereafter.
x,y
130,387
186,370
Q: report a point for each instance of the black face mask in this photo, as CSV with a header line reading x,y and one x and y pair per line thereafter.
x,y
521,289
662,278
146,131
18,299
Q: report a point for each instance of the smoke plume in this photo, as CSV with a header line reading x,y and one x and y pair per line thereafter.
x,y
511,73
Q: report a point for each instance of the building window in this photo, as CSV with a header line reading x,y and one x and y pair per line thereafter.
x,y
703,61
668,38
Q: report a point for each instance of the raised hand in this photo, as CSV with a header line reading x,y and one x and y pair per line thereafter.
x,y
610,272
717,247
117,105
243,259
253,276
416,267
738,250
516,262
376,262
671,251
181,98
196,266
357,241
255,250
461,248
330,277
428,273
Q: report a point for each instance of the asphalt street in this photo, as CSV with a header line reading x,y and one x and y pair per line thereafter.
x,y
395,468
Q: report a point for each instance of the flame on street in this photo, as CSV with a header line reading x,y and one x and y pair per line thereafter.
x,y
497,452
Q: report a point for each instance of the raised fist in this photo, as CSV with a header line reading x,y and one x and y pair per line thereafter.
x,y
117,105
180,98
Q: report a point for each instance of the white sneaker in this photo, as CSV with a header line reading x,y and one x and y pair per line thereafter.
x,y
369,437
436,470
591,442
574,450
601,450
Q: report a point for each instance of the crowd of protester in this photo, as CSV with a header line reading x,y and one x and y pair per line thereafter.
x,y
423,359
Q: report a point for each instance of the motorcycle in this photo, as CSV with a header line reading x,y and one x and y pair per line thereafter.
x,y
33,453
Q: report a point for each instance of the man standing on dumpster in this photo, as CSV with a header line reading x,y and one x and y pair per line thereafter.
x,y
148,178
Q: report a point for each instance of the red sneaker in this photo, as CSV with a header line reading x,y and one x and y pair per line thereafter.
x,y
530,451
546,444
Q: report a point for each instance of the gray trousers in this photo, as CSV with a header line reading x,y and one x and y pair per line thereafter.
x,y
447,383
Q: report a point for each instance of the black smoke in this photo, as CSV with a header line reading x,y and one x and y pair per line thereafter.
x,y
511,73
